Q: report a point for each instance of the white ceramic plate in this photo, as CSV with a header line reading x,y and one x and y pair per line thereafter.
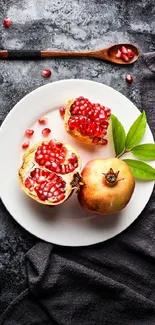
x,y
67,224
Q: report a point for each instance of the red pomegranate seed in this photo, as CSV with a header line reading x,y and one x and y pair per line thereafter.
x,y
130,53
129,78
7,22
46,131
42,120
118,54
29,132
124,50
104,141
124,57
29,183
62,111
96,139
25,145
46,73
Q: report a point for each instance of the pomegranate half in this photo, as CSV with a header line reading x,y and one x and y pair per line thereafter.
x,y
86,121
108,186
49,172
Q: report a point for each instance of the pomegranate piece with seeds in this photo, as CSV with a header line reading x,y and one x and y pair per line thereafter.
x,y
87,121
7,22
49,172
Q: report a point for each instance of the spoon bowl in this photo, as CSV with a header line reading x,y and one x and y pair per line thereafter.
x,y
111,53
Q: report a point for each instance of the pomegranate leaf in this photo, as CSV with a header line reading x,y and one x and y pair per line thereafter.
x,y
119,135
136,131
140,169
144,151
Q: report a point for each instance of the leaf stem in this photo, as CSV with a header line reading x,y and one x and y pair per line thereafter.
x,y
122,153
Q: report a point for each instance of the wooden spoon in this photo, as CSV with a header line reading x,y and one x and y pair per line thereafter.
x,y
107,54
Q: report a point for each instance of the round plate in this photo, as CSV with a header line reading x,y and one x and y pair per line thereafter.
x,y
67,224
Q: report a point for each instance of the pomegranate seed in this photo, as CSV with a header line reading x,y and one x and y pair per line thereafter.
x,y
25,145
46,73
7,22
42,120
124,57
124,50
130,53
29,132
104,141
129,78
96,139
46,131
29,183
118,54
62,111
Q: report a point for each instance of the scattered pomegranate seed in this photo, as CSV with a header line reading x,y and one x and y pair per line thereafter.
x,y
7,22
62,111
29,132
46,73
129,78
46,131
43,120
118,54
130,53
124,57
25,145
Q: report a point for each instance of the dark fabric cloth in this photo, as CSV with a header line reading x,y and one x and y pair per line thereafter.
x,y
109,283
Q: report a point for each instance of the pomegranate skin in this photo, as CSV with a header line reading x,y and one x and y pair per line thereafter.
x,y
99,197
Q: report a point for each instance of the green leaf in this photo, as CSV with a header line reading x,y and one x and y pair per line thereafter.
x,y
136,131
140,169
119,135
144,151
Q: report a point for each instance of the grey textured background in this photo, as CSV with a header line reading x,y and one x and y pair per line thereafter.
x,y
64,25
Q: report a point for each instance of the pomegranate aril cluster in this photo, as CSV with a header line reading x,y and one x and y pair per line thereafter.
x,y
89,119
55,157
47,185
124,54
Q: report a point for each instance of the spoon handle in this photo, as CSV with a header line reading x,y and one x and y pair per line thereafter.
x,y
37,54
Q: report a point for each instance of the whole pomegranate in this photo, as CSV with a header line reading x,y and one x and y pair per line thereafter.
x,y
86,121
108,186
49,172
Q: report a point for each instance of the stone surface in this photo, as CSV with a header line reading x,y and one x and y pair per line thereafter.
x,y
64,25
